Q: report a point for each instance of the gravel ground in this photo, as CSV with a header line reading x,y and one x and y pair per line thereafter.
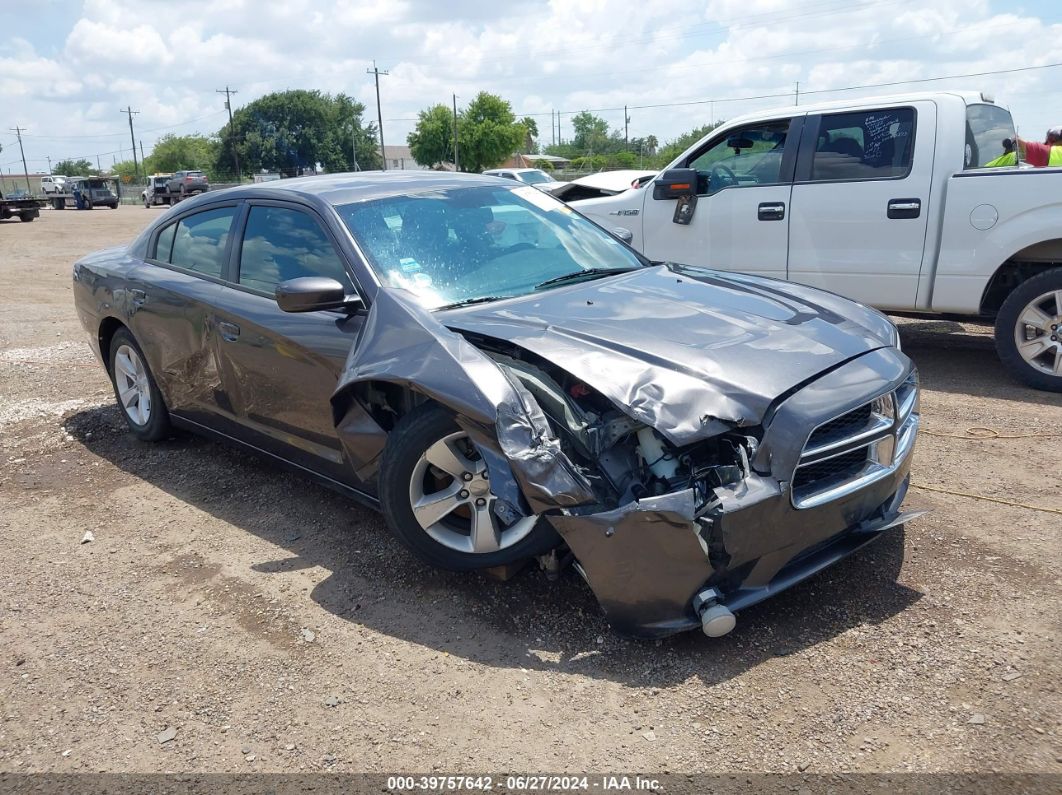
x,y
230,617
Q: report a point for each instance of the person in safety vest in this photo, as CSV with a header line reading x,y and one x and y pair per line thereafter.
x,y
1049,153
1008,158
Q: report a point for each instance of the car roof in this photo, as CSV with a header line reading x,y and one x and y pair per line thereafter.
x,y
336,189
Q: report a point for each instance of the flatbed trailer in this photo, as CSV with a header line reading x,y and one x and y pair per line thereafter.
x,y
25,209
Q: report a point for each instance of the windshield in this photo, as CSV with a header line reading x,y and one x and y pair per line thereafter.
x,y
987,126
534,177
461,244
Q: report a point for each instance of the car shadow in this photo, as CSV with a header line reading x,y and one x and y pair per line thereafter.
x,y
526,622
953,359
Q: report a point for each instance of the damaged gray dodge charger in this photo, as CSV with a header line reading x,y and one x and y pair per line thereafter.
x,y
504,379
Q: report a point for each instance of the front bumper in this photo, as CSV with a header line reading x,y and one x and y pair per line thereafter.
x,y
648,560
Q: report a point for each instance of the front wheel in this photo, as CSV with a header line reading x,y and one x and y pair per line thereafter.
x,y
436,497
1029,331
138,395
26,217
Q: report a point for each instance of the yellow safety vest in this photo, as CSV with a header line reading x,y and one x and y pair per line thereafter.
x,y
1005,159
1054,157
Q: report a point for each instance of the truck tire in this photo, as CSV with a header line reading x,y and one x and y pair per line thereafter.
x,y
1029,331
26,217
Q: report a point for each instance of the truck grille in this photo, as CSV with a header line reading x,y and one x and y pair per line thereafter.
x,y
857,448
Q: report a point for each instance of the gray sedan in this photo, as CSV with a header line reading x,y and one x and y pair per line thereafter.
x,y
505,380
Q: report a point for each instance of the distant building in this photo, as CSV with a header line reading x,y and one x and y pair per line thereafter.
x,y
400,158
10,183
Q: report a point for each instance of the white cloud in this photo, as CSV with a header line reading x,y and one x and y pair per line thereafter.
x,y
166,59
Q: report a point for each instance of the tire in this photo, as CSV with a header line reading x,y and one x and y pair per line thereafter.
x,y
449,542
1032,314
114,206
145,411
26,217
147,203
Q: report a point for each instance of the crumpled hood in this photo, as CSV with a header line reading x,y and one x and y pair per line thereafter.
x,y
689,352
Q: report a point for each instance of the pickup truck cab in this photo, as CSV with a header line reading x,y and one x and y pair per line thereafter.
x,y
883,200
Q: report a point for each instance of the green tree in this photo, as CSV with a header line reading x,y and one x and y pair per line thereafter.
x,y
673,149
488,132
73,168
432,140
290,131
125,171
591,133
180,152
530,134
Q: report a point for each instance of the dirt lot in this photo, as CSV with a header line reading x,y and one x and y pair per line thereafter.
x,y
275,626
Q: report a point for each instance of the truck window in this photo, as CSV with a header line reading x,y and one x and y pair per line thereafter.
x,y
872,144
987,126
743,158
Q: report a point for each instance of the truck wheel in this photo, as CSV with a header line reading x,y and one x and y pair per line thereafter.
x,y
147,203
1029,331
26,217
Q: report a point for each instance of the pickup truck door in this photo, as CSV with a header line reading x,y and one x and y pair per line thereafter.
x,y
860,202
741,222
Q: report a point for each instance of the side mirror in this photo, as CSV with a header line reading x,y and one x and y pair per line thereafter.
x,y
625,235
675,183
311,293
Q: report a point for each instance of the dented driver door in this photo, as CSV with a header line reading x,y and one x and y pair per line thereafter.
x,y
281,368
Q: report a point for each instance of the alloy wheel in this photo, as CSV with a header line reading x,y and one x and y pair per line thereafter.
x,y
1038,333
451,499
134,388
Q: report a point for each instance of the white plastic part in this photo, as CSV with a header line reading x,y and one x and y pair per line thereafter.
x,y
717,620
652,449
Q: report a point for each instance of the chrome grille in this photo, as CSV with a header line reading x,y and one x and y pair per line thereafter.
x,y
857,448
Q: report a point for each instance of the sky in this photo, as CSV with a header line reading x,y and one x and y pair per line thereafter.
x,y
68,68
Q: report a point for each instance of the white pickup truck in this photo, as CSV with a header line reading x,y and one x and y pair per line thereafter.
x,y
884,200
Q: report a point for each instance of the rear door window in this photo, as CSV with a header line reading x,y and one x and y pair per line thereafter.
x,y
987,127
201,241
864,145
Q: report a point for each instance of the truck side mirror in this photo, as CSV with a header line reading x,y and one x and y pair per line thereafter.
x,y
675,183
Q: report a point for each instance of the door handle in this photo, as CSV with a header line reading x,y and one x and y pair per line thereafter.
x,y
228,331
771,211
904,208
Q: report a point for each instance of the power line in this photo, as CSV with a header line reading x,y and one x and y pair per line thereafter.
x,y
25,168
232,132
379,112
132,138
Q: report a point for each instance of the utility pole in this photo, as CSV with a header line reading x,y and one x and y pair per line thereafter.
x,y
49,165
354,141
232,132
132,138
796,97
99,168
25,170
552,126
379,112
142,158
457,161
626,121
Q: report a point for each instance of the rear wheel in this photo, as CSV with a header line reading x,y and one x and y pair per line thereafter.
x,y
26,217
135,389
1029,331
436,496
